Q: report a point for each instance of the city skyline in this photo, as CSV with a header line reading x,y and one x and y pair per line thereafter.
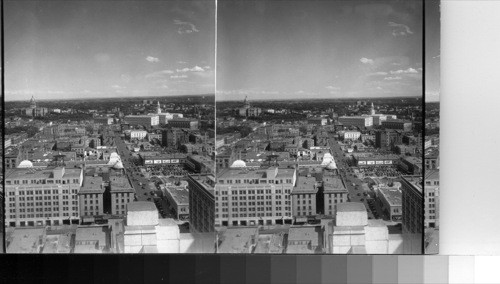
x,y
321,49
108,49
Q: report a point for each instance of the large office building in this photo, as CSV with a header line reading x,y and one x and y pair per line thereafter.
x,y
144,120
413,213
431,199
188,123
201,203
39,197
397,124
254,197
122,193
91,197
357,121
334,192
304,198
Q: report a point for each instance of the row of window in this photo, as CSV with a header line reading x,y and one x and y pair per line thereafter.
x,y
255,181
47,215
42,181
277,208
244,215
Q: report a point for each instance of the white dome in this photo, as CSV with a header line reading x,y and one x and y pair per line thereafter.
x,y
332,165
25,164
327,158
238,164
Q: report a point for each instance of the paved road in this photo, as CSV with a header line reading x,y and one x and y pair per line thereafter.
x,y
140,182
353,184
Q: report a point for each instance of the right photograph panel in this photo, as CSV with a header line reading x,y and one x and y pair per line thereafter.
x,y
432,92
319,127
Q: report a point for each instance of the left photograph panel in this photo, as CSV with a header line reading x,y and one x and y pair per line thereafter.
x,y
109,126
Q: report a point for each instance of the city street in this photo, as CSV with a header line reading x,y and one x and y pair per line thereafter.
x,y
355,186
137,179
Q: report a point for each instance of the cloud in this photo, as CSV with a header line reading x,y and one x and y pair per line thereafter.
x,y
194,69
407,71
393,78
365,60
332,88
117,87
182,62
159,74
206,67
378,74
185,27
152,59
178,76
400,29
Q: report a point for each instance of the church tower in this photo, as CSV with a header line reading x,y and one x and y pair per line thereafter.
x,y
372,112
158,108
32,102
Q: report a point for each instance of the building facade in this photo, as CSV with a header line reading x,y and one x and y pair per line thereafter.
x,y
357,121
42,197
144,120
201,203
254,197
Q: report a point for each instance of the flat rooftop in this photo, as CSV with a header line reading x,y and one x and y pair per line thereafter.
x,y
138,206
392,195
235,173
92,184
179,194
25,240
351,207
32,173
237,240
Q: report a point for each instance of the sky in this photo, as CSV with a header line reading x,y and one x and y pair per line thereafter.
x,y
77,49
432,51
318,49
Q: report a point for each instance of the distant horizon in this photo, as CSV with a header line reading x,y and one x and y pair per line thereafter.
x,y
321,98
109,98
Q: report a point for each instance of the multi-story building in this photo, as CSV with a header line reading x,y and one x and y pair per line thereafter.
x,y
411,165
178,201
352,135
254,197
201,203
39,197
334,192
145,120
387,139
304,198
432,159
103,120
390,200
431,189
317,120
397,124
138,134
91,196
358,121
122,193
413,213
184,123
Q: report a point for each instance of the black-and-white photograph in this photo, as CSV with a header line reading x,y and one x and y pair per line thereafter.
x,y
319,127
431,144
109,126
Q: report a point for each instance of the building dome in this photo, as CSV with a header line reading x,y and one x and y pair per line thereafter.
x,y
238,164
332,165
25,164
